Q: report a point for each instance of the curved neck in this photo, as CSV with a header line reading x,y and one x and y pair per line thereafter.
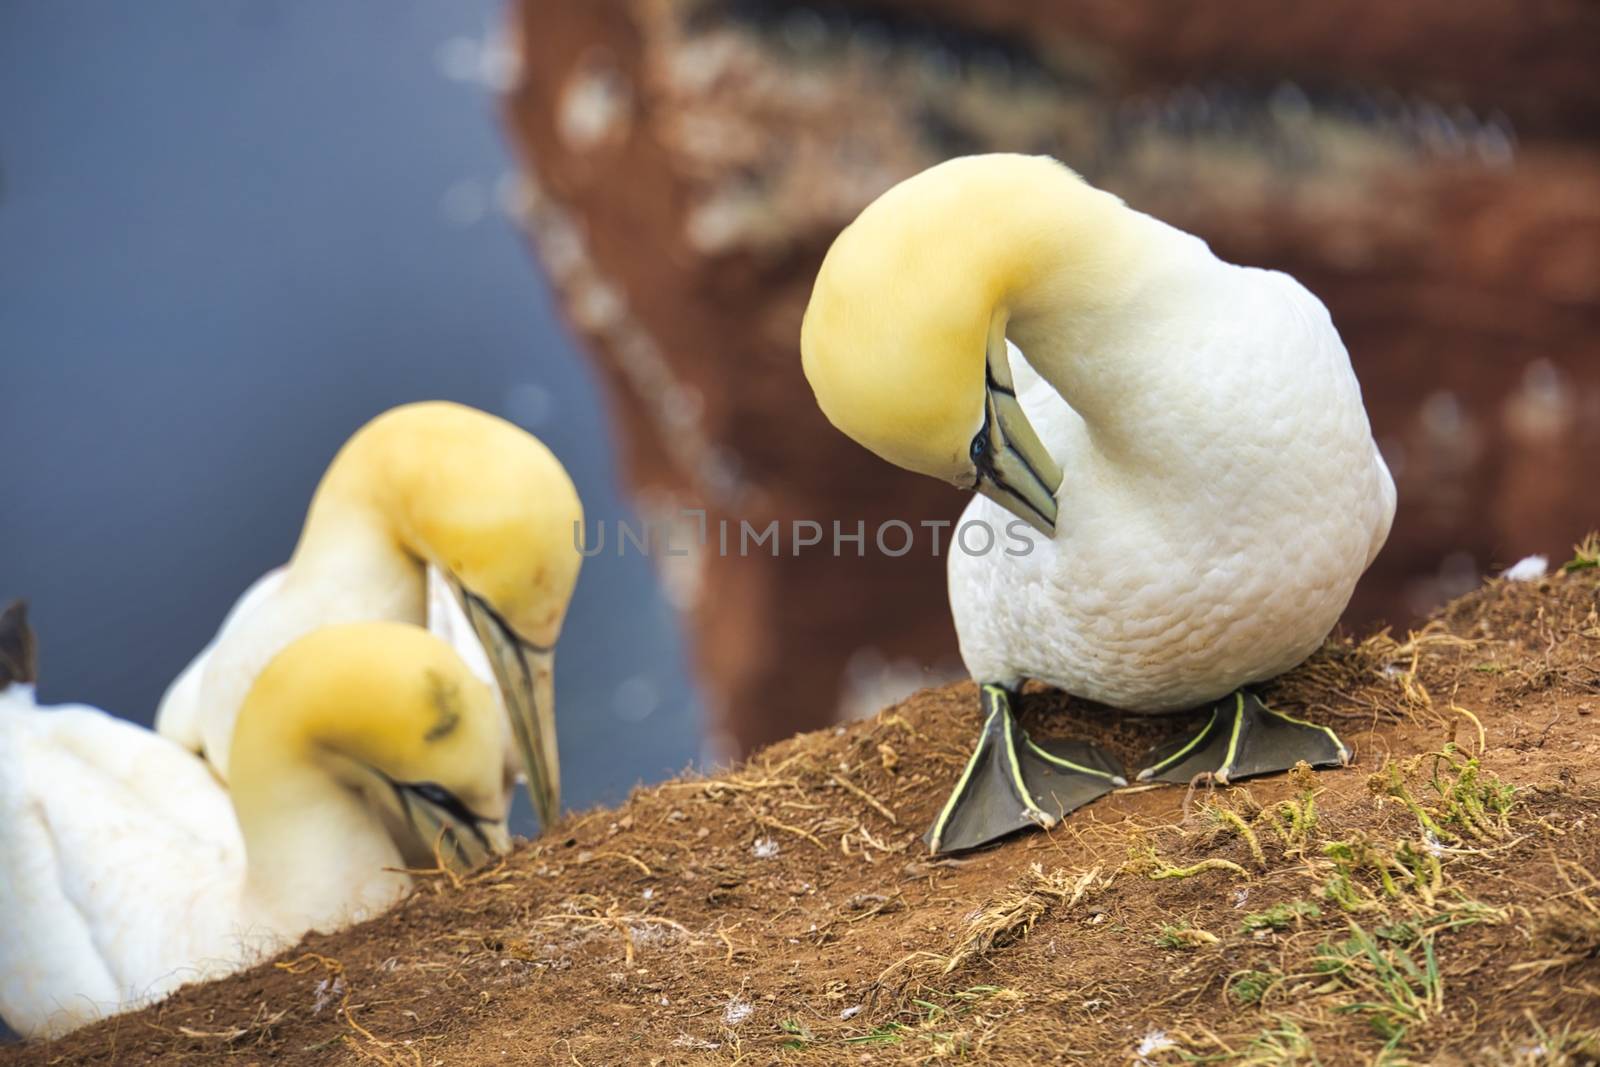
x,y
317,855
1076,273
353,529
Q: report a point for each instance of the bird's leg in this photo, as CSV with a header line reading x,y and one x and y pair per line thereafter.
x,y
1243,737
1010,782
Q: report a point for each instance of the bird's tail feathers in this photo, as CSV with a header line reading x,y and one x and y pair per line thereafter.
x,y
18,656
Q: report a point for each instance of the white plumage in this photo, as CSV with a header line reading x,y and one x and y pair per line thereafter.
x,y
1175,466
200,707
179,717
1221,494
103,817
127,869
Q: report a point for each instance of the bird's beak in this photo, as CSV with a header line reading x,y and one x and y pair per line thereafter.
x,y
1014,468
526,673
450,830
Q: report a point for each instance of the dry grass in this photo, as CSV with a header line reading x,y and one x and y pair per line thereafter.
x,y
1438,902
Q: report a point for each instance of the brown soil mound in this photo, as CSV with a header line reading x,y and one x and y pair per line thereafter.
x,y
1436,901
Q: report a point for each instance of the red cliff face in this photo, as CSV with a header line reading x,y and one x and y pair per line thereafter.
x,y
1429,169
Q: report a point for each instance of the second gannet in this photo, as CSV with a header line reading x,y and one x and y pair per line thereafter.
x,y
1178,443
439,485
127,869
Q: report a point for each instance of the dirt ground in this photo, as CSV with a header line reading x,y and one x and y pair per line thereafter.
x,y
1437,902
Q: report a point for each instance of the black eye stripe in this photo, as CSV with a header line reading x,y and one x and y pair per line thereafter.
x,y
981,450
448,802
434,794
444,800
499,620
439,797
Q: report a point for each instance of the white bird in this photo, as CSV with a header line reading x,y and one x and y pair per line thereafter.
x,y
127,870
1222,489
178,714
431,487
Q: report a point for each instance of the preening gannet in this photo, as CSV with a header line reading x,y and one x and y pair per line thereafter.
x,y
425,486
127,870
1179,442
178,714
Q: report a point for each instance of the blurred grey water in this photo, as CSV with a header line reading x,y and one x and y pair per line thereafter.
x,y
230,232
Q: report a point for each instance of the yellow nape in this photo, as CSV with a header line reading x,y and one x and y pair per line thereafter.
x,y
473,494
913,292
389,696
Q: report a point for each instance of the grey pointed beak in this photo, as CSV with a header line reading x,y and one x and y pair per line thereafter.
x,y
448,828
1015,470
526,675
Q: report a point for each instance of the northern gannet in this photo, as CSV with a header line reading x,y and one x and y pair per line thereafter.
x,y
1173,457
127,869
425,487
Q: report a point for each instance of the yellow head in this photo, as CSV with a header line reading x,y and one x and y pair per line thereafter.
x,y
391,712
904,338
480,498
491,507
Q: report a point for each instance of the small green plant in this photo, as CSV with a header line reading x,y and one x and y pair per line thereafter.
x,y
1347,894
1248,987
1350,857
1465,913
933,1022
1421,860
1585,555
1227,817
1143,859
1473,799
800,1034
1468,801
887,1034
1391,782
1293,820
1281,916
1399,989
1279,1045
1357,853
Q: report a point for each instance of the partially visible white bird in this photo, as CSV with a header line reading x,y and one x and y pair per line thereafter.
x,y
126,870
1527,569
1222,491
178,714
426,504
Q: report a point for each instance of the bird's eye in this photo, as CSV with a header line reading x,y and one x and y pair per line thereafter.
x,y
979,443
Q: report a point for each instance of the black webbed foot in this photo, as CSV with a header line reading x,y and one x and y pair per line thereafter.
x,y
1011,783
1244,738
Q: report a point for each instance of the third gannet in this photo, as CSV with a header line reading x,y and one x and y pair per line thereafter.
x,y
430,484
127,869
1180,441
